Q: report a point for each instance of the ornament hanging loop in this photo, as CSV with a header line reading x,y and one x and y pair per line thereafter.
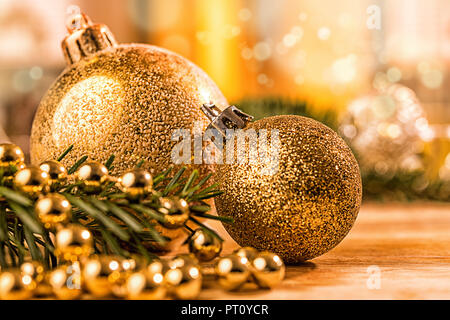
x,y
85,38
230,119
77,21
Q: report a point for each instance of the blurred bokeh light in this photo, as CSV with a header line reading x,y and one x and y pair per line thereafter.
x,y
330,54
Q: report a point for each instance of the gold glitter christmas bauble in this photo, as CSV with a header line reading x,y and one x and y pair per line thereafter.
x,y
302,202
121,99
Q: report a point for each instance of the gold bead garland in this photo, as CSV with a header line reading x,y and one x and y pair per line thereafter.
x,y
107,276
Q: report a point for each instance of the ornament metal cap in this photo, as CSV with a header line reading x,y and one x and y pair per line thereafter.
x,y
230,118
85,38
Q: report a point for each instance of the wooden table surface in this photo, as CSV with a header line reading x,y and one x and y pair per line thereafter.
x,y
408,243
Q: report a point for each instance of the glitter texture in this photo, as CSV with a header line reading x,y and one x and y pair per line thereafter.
x,y
307,207
126,101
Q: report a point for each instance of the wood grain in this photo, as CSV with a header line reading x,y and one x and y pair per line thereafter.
x,y
410,244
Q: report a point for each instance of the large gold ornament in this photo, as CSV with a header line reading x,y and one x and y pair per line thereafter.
x,y
302,202
121,99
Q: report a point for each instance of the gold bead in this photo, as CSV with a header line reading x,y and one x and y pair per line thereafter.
x,y
158,266
185,282
146,285
248,253
52,210
32,181
37,272
66,282
73,242
101,273
204,246
11,156
92,176
268,269
57,173
184,259
175,212
14,285
133,263
232,272
136,183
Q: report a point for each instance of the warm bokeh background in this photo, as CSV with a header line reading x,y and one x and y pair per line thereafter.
x,y
321,53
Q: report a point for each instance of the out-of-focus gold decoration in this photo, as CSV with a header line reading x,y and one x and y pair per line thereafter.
x,y
52,210
37,272
232,272
14,285
66,281
73,242
32,181
122,99
204,246
248,253
175,212
184,282
146,285
101,273
136,183
387,129
302,202
92,176
268,269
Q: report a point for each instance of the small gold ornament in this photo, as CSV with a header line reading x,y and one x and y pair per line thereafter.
x,y
204,246
66,282
32,181
298,194
182,260
101,273
248,253
232,272
92,176
185,282
11,156
136,183
14,285
268,269
125,99
146,285
37,272
73,242
52,210
175,212
57,173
